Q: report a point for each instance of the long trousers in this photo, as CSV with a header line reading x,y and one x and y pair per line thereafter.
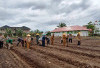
x,y
28,45
43,43
1,44
70,40
79,43
52,42
18,43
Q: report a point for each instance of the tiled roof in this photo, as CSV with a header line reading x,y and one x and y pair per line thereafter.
x,y
70,28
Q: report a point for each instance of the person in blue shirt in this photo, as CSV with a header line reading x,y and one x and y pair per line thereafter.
x,y
43,40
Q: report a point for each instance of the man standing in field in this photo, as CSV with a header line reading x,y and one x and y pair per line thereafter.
x,y
43,40
70,37
37,38
52,39
28,41
64,38
79,38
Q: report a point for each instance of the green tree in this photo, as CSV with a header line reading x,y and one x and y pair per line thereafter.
x,y
8,32
19,32
61,25
37,31
91,26
48,33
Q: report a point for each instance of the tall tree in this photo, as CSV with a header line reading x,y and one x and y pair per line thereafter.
x,y
91,26
61,25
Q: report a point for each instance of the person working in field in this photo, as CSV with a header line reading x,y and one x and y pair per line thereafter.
x,y
79,38
1,40
64,38
48,40
70,37
43,40
19,40
9,43
28,41
52,39
37,38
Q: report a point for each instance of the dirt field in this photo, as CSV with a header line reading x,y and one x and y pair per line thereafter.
x,y
54,56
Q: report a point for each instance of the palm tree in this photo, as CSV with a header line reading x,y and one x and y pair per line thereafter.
x,y
61,25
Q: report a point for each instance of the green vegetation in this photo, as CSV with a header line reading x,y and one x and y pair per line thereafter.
x,y
61,25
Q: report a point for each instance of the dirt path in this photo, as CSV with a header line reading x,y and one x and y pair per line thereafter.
x,y
10,60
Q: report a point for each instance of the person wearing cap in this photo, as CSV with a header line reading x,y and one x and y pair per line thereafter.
x,y
64,38
43,40
79,38
70,37
37,38
52,39
28,41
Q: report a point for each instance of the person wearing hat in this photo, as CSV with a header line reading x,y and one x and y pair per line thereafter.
x,y
64,38
52,39
79,38
43,40
70,37
37,38
28,40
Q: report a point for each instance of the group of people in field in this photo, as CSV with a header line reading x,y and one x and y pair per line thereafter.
x,y
66,39
8,42
42,41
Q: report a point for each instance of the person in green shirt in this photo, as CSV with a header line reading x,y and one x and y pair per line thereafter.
x,y
9,43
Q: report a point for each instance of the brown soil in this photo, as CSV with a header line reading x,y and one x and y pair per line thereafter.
x,y
53,56
10,60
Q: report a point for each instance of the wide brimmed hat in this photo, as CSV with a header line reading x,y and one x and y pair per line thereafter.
x,y
64,33
79,32
28,35
37,34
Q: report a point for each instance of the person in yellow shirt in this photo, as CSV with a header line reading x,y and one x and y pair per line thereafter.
x,y
52,39
28,41
79,38
64,38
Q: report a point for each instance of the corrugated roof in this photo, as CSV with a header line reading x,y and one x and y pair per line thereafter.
x,y
70,28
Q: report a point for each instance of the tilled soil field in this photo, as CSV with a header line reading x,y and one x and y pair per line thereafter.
x,y
58,56
9,59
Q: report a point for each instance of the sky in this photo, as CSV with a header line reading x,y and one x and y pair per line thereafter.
x,y
45,15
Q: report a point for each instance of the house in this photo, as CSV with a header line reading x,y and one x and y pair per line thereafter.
x,y
71,29
24,28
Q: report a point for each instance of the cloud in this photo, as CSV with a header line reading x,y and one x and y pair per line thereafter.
x,y
47,14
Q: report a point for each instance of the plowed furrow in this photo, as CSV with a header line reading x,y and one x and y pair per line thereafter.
x,y
67,57
48,62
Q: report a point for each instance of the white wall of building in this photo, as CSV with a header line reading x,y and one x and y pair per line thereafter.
x,y
83,33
